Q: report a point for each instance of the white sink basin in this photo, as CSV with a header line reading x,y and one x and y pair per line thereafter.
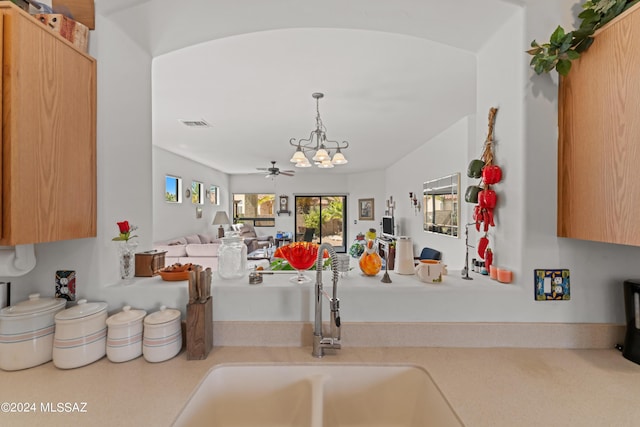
x,y
315,395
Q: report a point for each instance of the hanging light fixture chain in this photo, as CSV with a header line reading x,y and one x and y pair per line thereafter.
x,y
322,156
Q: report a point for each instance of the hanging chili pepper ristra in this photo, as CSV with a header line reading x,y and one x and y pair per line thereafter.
x,y
482,194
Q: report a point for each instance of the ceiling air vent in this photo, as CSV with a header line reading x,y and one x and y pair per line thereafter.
x,y
195,123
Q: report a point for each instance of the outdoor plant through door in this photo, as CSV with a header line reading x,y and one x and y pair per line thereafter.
x,y
321,219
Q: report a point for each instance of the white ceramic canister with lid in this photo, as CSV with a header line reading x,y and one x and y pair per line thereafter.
x,y
162,335
81,335
26,332
124,334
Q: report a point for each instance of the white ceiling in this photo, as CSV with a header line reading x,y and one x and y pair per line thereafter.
x,y
394,73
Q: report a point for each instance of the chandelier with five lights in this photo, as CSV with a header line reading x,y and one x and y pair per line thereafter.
x,y
319,145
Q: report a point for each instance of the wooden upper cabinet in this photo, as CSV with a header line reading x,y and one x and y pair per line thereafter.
x,y
599,138
48,134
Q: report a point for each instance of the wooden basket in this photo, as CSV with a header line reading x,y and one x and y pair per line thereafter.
x,y
150,263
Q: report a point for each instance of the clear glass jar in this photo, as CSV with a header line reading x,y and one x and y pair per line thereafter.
x,y
232,258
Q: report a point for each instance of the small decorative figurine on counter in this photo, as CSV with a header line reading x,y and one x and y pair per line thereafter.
x,y
370,261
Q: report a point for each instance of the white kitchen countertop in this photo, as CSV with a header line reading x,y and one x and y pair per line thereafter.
x,y
364,299
485,386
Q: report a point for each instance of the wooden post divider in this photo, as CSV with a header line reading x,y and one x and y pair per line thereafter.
x,y
199,324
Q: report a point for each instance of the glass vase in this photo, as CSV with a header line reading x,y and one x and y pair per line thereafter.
x,y
301,256
127,256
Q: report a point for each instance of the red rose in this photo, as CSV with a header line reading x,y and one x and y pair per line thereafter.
x,y
125,231
124,227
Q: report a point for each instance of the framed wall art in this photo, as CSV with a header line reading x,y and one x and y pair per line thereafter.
x,y
365,209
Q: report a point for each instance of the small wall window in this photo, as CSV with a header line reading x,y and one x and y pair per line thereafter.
x,y
214,198
197,193
173,189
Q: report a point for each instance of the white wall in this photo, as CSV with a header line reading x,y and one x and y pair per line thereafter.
x,y
597,269
501,79
526,133
441,156
369,185
178,219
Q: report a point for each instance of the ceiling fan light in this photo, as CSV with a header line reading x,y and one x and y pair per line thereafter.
x,y
325,164
304,163
321,155
298,156
339,159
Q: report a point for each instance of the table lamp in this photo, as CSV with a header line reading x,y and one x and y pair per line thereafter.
x,y
221,219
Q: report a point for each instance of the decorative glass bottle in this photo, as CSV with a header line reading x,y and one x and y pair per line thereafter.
x,y
232,258
370,261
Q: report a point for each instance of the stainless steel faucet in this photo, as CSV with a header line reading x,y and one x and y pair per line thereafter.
x,y
320,342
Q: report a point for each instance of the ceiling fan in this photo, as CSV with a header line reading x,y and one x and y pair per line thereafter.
x,y
273,171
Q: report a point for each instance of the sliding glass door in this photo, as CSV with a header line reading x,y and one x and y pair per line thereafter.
x,y
322,219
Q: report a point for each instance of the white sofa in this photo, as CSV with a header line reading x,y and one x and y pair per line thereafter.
x,y
201,249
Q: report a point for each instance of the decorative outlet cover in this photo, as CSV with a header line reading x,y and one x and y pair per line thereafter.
x,y
551,284
66,284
